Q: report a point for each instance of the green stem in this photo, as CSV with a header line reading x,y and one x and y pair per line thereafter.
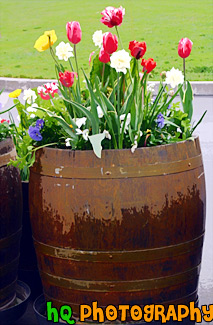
x,y
76,63
184,69
74,112
119,36
70,62
118,94
53,55
103,70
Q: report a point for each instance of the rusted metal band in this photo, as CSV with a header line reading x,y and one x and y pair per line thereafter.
x,y
120,256
5,158
118,172
121,286
7,268
7,241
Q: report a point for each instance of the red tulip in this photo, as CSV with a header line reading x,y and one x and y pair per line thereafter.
x,y
104,56
184,47
148,65
66,78
112,16
74,32
110,43
138,49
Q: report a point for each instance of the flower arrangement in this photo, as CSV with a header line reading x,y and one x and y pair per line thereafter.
x,y
117,109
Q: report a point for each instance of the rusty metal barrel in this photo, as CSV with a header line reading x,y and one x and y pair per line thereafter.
x,y
123,229
10,222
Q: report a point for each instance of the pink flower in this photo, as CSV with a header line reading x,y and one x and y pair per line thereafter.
x,y
184,47
3,120
74,33
110,43
112,16
148,65
48,90
138,49
66,78
90,57
104,56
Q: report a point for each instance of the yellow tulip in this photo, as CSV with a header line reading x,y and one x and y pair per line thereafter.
x,y
15,93
148,131
45,41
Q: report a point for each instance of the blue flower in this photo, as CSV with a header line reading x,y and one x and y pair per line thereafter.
x,y
160,120
34,133
40,124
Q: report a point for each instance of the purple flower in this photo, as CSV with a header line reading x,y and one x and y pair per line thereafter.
x,y
34,133
40,124
160,120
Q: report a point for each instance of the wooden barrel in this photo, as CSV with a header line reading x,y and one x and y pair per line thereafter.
x,y
10,222
123,229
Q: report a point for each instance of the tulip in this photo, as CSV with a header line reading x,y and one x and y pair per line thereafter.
x,y
112,16
184,47
138,49
104,56
74,33
45,41
148,65
66,78
110,42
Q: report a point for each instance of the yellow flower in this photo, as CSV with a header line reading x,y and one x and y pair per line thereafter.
x,y
15,93
148,131
45,41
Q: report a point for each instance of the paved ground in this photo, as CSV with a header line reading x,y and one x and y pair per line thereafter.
x,y
205,131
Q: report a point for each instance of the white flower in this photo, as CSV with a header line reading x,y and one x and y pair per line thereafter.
x,y
64,51
32,108
174,77
29,96
122,117
100,112
120,60
85,133
32,115
151,87
134,146
18,119
80,121
67,142
107,134
97,38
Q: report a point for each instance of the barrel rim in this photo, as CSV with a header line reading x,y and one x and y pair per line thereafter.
x,y
192,139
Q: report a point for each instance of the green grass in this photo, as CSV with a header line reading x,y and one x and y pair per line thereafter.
x,y
160,23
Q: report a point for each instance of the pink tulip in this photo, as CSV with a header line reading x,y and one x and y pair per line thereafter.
x,y
104,56
184,47
90,57
74,33
112,16
110,42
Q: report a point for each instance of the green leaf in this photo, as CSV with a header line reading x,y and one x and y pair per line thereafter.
x,y
200,120
94,121
63,123
187,99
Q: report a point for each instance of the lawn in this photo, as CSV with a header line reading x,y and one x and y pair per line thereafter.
x,y
160,23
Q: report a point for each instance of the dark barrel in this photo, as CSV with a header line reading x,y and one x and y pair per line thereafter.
x,y
28,270
10,222
123,229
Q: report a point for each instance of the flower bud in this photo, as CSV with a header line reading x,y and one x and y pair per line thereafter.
x,y
74,33
110,43
184,47
104,56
